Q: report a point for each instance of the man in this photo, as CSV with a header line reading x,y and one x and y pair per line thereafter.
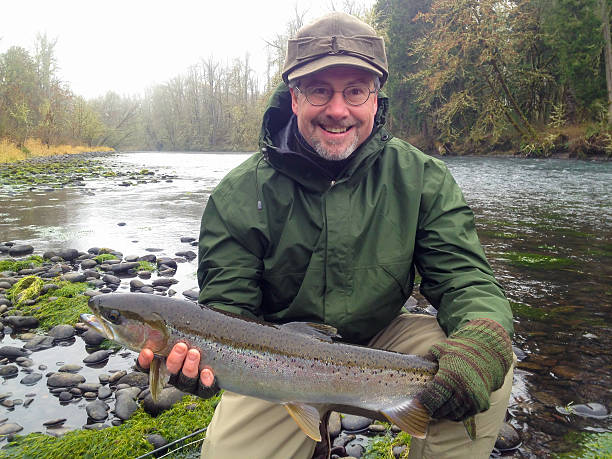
x,y
327,224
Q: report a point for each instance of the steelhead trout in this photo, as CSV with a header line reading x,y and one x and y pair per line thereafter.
x,y
295,364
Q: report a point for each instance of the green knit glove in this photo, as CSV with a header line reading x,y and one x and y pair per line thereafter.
x,y
472,363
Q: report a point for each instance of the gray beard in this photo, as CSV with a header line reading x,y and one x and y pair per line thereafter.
x,y
326,154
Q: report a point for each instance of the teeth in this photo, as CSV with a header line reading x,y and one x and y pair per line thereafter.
x,y
336,130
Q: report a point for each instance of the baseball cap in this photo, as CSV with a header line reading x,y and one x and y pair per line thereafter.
x,y
335,39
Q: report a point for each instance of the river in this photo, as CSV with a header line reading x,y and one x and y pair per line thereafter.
x,y
546,226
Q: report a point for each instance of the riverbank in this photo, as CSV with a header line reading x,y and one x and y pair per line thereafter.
x,y
33,148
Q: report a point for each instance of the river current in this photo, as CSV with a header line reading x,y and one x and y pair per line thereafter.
x,y
546,226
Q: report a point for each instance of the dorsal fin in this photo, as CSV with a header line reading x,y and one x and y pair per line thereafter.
x,y
321,331
307,417
410,416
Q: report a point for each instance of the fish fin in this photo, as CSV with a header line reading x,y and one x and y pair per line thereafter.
x,y
158,377
321,331
410,416
307,417
470,427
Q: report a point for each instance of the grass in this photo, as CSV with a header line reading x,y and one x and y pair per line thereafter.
x,y
17,265
124,441
534,260
105,257
10,152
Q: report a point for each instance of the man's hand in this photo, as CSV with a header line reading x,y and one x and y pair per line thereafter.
x,y
183,363
472,363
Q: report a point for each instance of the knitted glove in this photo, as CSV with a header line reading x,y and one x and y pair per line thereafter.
x,y
193,385
472,363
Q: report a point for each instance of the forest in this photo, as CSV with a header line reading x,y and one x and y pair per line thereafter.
x,y
530,77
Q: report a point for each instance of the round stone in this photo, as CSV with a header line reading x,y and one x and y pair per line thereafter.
x,y
125,406
20,250
352,423
97,357
31,379
10,428
97,410
62,332
64,380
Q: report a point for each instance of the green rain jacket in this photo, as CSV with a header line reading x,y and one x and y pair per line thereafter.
x,y
281,241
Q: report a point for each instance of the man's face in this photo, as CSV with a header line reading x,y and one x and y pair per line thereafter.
x,y
335,129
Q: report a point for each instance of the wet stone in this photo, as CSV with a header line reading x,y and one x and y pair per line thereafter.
x,y
69,368
24,362
334,425
97,410
54,422
92,338
135,379
88,264
62,332
20,250
8,370
136,284
188,254
58,431
116,376
22,322
147,289
508,438
90,395
104,378
157,441
12,352
39,343
110,279
68,254
167,398
31,379
144,274
97,357
566,372
352,423
74,277
64,380
132,392
28,402
76,391
96,426
7,403
125,406
104,392
5,395
89,387
10,428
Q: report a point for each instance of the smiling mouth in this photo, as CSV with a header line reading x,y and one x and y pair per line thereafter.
x,y
336,130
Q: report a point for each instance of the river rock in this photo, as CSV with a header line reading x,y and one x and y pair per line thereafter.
x,y
24,362
123,268
167,398
116,376
54,422
135,379
68,254
46,288
149,258
88,264
167,262
12,352
146,289
10,428
97,357
5,285
97,410
144,274
352,423
65,380
192,294
39,343
22,322
104,392
8,370
357,447
188,254
588,410
20,250
187,239
31,379
164,282
74,277
62,332
70,368
136,284
508,438
89,387
157,441
110,279
92,338
125,406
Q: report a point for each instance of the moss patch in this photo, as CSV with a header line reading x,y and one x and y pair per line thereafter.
x,y
593,446
105,257
16,265
534,260
525,311
124,441
146,266
381,447
58,306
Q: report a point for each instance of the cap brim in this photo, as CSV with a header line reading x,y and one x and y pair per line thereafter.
x,y
326,62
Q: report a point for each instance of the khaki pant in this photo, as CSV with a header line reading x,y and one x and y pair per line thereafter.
x,y
245,427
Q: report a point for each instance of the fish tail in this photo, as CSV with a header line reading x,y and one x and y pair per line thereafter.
x,y
410,416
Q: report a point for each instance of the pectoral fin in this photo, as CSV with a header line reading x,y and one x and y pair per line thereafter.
x,y
410,416
307,417
158,377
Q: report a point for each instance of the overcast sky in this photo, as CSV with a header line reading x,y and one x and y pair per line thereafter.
x,y
129,45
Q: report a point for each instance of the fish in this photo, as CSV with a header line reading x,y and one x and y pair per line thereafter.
x,y
299,365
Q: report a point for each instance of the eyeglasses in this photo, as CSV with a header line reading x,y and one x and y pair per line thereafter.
x,y
321,94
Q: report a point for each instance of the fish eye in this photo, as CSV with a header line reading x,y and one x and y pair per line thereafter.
x,y
113,316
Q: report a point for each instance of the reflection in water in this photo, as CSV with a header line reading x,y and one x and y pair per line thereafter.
x,y
546,226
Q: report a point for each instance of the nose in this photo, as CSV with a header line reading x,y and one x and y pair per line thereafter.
x,y
337,106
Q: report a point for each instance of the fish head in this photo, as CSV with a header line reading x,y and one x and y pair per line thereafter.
x,y
127,323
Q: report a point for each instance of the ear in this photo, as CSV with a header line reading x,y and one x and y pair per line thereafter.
x,y
294,101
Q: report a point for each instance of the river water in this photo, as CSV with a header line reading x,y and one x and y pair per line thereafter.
x,y
546,226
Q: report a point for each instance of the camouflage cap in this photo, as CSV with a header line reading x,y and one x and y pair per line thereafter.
x,y
334,40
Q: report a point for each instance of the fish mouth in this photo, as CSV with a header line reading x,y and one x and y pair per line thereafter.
x,y
99,326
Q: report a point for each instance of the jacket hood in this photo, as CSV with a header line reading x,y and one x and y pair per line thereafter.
x,y
301,169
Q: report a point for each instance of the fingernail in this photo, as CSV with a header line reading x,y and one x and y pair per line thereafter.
x,y
192,356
